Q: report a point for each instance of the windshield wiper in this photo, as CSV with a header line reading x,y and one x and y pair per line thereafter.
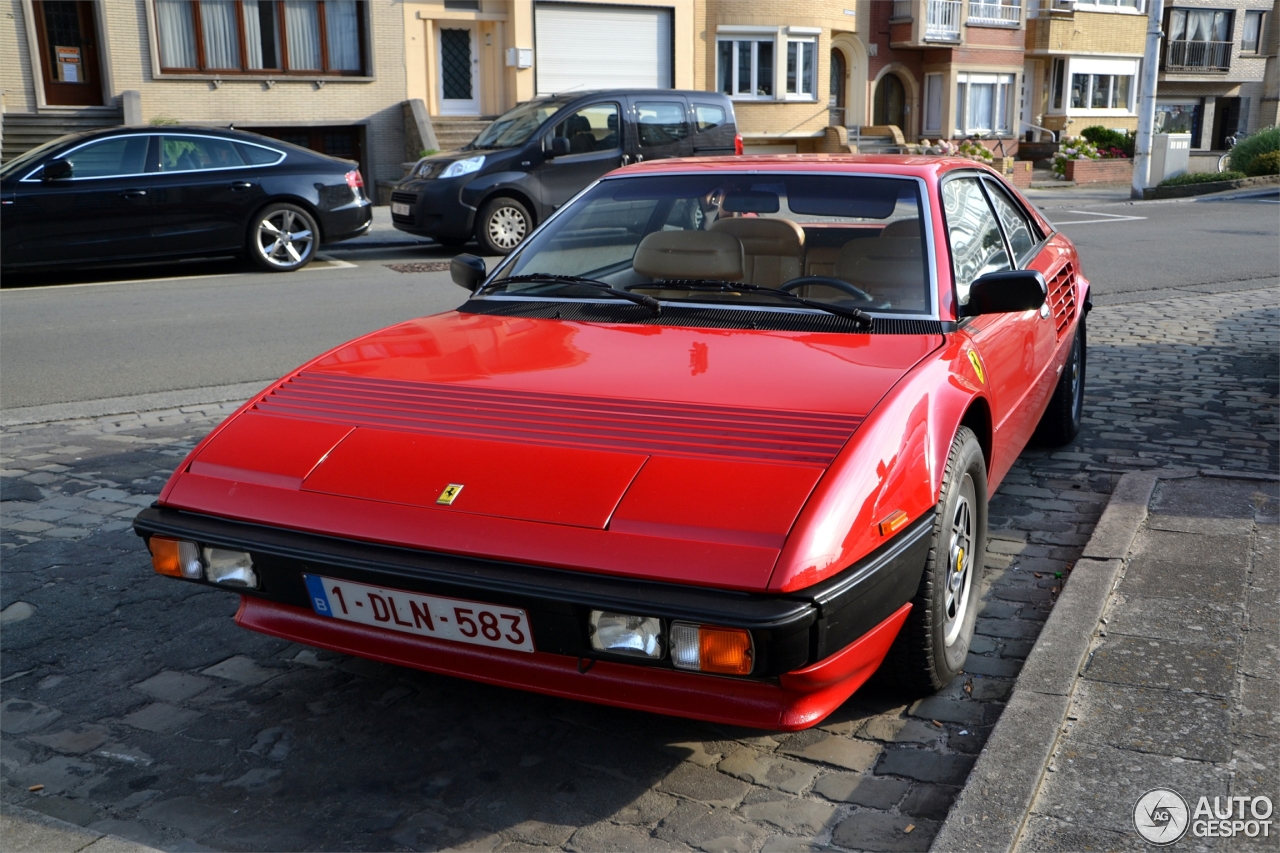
x,y
638,298
862,319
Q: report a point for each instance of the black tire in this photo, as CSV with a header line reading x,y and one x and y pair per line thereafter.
x,y
1061,420
502,223
931,648
282,238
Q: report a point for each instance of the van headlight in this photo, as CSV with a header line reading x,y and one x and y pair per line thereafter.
x,y
458,168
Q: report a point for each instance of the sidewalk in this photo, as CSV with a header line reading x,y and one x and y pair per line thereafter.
x,y
1173,616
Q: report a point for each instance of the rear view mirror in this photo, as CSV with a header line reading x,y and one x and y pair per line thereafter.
x,y
57,170
559,146
467,271
1005,293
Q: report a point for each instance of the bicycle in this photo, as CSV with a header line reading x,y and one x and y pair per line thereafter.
x,y
1231,143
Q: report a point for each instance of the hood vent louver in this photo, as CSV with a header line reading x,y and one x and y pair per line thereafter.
x,y
563,420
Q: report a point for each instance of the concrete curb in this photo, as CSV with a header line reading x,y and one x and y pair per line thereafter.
x,y
25,831
993,807
131,404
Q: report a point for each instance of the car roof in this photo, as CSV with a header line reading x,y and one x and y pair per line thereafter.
x,y
576,94
888,164
246,135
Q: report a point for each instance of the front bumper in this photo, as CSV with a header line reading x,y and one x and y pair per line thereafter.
x,y
813,647
436,208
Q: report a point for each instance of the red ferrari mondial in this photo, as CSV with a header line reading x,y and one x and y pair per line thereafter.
x,y
715,441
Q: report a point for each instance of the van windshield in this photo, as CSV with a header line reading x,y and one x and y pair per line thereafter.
x,y
515,127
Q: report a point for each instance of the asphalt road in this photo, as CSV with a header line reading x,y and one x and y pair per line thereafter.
x,y
93,335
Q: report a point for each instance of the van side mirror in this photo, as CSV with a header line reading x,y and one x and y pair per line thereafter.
x,y
558,147
1005,293
467,271
57,170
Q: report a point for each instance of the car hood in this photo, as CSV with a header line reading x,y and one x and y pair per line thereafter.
x,y
706,437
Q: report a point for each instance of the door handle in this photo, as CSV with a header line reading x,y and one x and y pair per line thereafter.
x,y
626,158
133,193
241,185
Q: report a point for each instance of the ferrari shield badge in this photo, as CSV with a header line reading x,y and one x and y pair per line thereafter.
x,y
976,361
450,494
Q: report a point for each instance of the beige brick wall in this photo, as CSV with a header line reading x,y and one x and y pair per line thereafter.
x,y
15,61
1105,33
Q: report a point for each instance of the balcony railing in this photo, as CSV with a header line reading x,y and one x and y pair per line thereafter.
x,y
942,19
1198,56
903,10
995,14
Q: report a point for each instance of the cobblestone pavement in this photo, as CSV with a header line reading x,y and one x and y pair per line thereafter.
x,y
144,712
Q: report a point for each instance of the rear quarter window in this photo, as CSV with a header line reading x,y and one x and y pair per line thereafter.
x,y
708,117
661,122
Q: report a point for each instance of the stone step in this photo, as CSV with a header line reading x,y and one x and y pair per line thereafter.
x,y
24,131
454,133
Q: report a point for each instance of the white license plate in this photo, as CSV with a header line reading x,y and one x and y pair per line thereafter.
x,y
425,615
399,209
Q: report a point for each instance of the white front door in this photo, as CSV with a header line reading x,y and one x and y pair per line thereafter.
x,y
458,68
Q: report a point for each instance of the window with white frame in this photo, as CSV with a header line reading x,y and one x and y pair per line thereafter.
x,y
932,103
1252,31
1103,5
802,68
260,36
1101,91
984,104
745,67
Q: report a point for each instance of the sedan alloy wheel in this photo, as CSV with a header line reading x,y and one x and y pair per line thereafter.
x,y
282,238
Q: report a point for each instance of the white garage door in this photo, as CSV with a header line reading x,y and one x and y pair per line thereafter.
x,y
601,47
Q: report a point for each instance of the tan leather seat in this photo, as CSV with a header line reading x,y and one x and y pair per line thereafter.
x,y
902,228
689,255
773,248
889,268
821,260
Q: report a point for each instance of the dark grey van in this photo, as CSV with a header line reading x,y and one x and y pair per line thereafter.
x,y
537,156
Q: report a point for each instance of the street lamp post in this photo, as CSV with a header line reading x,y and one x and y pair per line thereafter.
x,y
1147,105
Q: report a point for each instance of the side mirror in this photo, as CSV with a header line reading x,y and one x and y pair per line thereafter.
x,y
57,170
558,147
1005,293
467,271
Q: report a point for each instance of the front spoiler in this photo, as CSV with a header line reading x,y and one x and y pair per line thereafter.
x,y
798,699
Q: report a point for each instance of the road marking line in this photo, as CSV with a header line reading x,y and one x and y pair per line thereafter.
x,y
327,264
1106,217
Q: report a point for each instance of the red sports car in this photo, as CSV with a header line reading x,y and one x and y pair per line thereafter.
x,y
715,441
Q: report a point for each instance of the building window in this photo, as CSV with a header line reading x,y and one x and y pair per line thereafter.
x,y
932,103
1058,80
802,68
1132,5
1100,91
1179,115
745,68
983,104
1199,39
261,36
1252,31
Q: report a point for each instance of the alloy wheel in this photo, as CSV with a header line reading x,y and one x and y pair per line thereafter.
x,y
284,238
959,563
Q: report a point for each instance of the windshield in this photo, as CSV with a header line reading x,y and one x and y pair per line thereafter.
x,y
20,164
515,127
847,241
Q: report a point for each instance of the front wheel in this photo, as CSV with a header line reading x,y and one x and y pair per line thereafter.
x,y
283,238
1061,420
931,648
502,224
1223,161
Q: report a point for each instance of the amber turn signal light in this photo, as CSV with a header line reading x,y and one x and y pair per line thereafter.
x,y
175,557
725,650
894,522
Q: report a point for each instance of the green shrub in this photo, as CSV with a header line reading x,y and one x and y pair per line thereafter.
x,y
1243,155
1267,163
1201,178
1104,138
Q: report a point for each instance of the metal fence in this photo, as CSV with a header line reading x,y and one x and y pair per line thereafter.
x,y
998,14
942,19
1198,55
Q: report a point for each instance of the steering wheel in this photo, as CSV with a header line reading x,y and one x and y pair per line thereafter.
x,y
838,283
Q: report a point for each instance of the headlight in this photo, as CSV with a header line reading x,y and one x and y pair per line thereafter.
x,y
624,634
458,168
229,568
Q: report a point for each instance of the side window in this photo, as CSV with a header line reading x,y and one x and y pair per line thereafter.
x,y
708,117
1022,239
256,155
661,123
976,245
593,128
126,155
193,153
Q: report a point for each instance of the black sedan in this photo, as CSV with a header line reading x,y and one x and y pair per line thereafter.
x,y
133,194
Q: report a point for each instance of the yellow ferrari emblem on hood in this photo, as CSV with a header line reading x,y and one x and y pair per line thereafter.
x,y
450,494
976,361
